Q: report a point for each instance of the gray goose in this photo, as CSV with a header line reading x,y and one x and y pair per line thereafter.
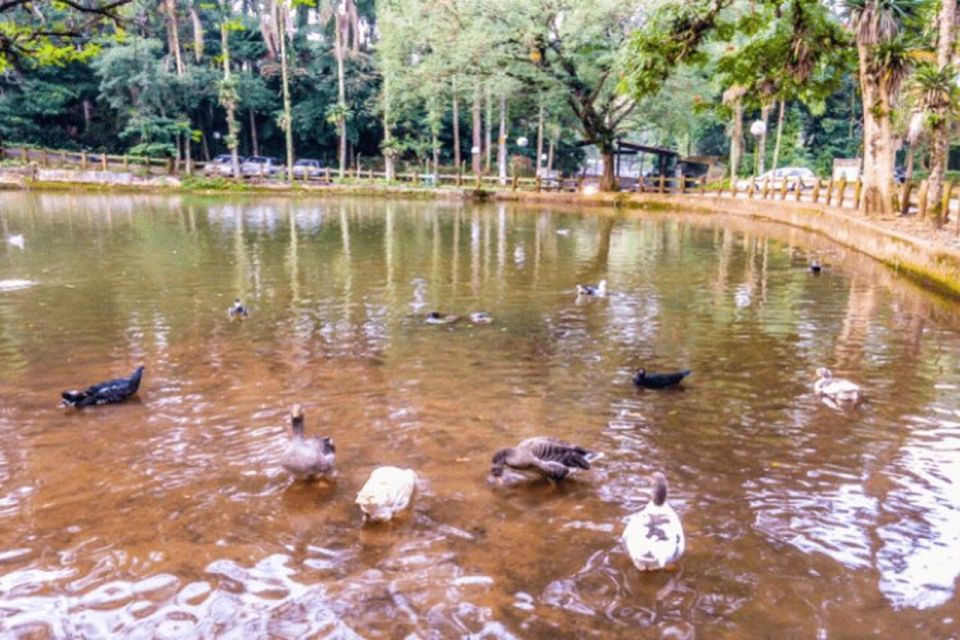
x,y
541,456
307,457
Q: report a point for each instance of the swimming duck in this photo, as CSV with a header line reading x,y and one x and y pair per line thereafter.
x,y
658,380
386,493
654,536
836,389
815,266
481,317
542,457
16,241
108,392
307,457
435,317
237,310
599,290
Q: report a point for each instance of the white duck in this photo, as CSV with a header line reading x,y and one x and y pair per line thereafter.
x,y
16,241
599,290
386,493
307,457
836,389
654,537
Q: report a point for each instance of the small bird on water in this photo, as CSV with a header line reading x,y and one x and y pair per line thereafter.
x,y
658,380
541,457
654,536
386,493
238,310
815,266
435,317
307,458
109,392
598,290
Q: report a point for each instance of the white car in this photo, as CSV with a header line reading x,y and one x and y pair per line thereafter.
x,y
261,166
794,176
306,168
222,165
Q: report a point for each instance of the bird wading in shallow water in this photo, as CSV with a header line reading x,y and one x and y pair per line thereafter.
x,y
541,457
654,536
658,380
305,457
481,317
109,392
435,317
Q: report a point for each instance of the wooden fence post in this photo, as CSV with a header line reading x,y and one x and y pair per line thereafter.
x,y
683,184
83,160
766,189
103,161
477,182
703,185
514,181
841,190
799,184
857,193
829,191
663,180
815,196
750,189
733,187
538,183
783,189
126,162
172,166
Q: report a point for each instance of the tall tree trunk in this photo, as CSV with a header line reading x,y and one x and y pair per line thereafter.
x,y
550,157
877,190
539,137
254,141
197,34
488,131
776,142
608,180
388,151
940,116
340,52
502,142
87,114
173,26
477,134
280,15
762,139
228,96
456,125
736,139
436,156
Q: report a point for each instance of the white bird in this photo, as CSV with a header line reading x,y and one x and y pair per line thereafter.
x,y
563,232
836,389
386,493
654,537
307,457
599,290
16,241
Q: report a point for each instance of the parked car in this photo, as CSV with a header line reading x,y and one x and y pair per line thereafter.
x,y
794,176
307,168
261,166
222,165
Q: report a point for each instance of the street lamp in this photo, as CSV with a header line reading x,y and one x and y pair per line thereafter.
x,y
758,128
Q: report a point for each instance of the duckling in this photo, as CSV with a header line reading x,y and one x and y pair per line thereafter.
x,y
109,392
237,310
481,317
435,317
815,266
836,389
307,457
654,536
658,380
541,457
599,290
386,493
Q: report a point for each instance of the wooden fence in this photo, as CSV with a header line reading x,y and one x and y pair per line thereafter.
x,y
910,198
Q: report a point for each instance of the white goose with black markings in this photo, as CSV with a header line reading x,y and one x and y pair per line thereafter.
x,y
654,536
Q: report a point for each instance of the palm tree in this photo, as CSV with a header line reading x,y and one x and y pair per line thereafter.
x,y
884,62
938,90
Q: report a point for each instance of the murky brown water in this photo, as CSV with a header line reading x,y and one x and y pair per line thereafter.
x,y
170,516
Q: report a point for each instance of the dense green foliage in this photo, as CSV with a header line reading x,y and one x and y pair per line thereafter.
x,y
424,81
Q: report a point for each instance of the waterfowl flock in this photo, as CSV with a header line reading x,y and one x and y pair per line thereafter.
x,y
653,537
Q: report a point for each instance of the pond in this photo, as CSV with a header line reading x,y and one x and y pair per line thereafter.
x,y
170,515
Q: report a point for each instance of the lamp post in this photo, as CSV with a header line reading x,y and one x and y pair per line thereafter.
x,y
758,129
